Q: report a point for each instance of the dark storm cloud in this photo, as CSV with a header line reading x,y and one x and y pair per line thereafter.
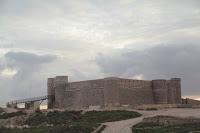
x,y
24,60
161,61
25,57
25,63
28,80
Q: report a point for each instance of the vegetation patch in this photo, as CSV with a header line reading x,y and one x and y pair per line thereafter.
x,y
10,115
56,129
185,128
164,124
36,119
67,117
53,118
108,116
70,121
76,117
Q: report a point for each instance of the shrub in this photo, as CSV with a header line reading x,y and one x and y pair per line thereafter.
x,y
10,115
57,118
36,119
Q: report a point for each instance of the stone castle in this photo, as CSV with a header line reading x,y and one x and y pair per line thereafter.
x,y
111,92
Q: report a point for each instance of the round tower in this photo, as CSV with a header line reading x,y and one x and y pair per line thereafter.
x,y
60,84
175,85
160,91
50,93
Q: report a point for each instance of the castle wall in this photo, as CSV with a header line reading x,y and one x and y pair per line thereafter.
x,y
93,97
111,92
134,92
90,93
73,99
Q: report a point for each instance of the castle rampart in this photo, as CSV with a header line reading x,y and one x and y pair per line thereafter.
x,y
111,92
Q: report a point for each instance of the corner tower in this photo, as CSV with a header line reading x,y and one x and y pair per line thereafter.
x,y
175,89
60,85
160,91
50,93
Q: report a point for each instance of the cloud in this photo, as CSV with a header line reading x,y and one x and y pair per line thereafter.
x,y
26,62
106,23
161,61
22,75
96,38
8,72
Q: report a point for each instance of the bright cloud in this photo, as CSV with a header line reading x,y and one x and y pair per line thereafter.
x,y
8,72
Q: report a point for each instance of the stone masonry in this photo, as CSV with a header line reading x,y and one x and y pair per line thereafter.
x,y
111,92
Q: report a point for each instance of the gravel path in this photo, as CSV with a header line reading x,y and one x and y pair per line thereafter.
x,y
125,125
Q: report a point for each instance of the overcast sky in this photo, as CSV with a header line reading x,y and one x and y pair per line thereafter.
x,y
87,39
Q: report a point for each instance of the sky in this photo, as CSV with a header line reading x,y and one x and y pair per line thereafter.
x,y
90,39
